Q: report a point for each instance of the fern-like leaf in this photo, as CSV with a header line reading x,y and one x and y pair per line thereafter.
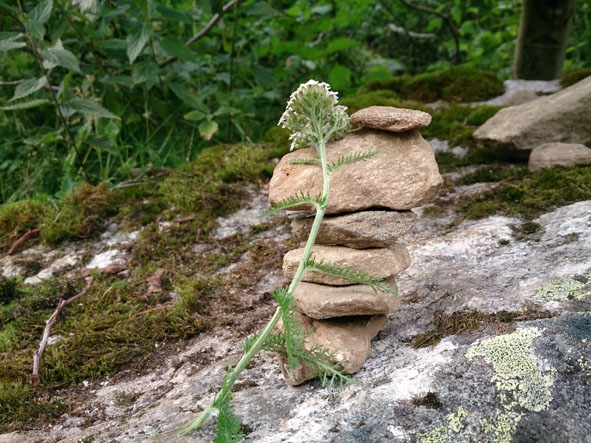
x,y
348,273
305,161
228,428
350,159
297,200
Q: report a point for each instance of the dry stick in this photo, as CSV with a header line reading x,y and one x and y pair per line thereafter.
x,y
22,240
49,324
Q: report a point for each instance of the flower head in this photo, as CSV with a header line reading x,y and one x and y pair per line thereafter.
x,y
313,115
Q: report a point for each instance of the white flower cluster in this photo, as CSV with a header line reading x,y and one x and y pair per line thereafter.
x,y
313,115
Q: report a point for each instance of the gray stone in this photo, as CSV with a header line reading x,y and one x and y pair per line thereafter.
x,y
402,176
359,230
389,118
549,155
323,301
560,117
349,337
377,262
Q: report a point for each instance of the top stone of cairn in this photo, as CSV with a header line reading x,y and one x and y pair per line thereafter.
x,y
389,118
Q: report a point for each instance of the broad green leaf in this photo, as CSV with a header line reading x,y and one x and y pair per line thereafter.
x,y
195,115
26,105
144,71
176,48
207,129
136,42
341,44
107,12
86,5
185,94
124,80
9,8
224,110
42,12
112,43
28,87
102,143
36,28
90,108
340,77
322,10
456,14
173,14
9,42
260,9
61,57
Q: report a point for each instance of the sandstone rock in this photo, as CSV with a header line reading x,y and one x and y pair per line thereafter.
x,y
402,176
389,118
322,301
349,337
558,154
359,230
378,262
560,117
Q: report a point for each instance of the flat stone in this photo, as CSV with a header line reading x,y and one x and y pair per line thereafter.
x,y
549,155
390,118
359,230
323,301
402,176
560,117
377,262
349,337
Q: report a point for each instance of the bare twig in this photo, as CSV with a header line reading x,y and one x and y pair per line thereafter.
x,y
31,233
156,308
204,31
49,324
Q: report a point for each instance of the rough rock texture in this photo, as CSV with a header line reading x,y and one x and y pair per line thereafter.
x,y
389,118
560,117
549,155
402,176
350,338
358,230
377,262
322,301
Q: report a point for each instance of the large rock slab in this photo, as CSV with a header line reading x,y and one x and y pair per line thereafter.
x,y
323,301
549,155
560,117
402,176
349,337
377,262
359,230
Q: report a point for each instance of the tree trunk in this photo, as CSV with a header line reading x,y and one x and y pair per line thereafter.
x,y
543,39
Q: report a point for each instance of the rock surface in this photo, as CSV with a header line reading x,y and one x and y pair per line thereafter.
x,y
349,338
358,230
549,155
389,118
376,262
322,301
402,176
560,117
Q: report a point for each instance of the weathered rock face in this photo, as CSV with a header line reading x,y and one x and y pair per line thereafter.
x,y
323,301
404,175
359,230
350,338
389,118
560,117
549,155
377,262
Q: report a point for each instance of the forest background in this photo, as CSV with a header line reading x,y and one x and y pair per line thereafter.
x,y
96,90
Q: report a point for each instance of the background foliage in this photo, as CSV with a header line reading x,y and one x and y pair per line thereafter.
x,y
96,89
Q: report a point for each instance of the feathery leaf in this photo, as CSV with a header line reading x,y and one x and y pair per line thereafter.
x,y
350,159
297,200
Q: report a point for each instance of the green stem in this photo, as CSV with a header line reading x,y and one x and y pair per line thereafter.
x,y
258,344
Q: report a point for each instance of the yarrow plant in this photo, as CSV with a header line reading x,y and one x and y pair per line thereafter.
x,y
314,118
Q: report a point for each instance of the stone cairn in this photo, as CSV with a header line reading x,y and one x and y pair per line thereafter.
x,y
369,208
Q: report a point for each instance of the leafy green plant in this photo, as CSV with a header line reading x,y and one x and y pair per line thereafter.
x,y
314,118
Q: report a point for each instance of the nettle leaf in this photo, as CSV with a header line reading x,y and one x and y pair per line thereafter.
x,y
60,57
186,95
195,115
173,14
112,43
136,41
26,105
10,42
341,44
340,77
176,48
42,11
207,129
28,87
36,28
90,108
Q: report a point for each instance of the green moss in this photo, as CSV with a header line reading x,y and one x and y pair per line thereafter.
x,y
19,217
493,173
380,97
573,76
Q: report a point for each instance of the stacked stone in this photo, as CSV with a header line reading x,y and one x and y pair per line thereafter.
x,y
369,208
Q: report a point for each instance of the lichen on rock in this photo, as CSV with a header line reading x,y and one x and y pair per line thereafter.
x,y
573,287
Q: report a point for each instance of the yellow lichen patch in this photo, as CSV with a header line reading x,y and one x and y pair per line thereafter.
x,y
447,432
573,287
516,373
